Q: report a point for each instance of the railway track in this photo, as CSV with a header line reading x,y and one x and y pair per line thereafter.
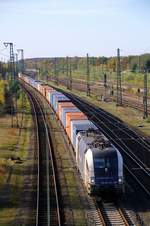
x,y
47,197
108,214
113,215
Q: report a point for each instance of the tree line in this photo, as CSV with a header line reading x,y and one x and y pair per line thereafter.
x,y
133,63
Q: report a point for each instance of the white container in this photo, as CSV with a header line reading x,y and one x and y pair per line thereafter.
x,y
81,125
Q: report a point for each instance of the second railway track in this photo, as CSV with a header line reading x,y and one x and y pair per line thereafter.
x,y
133,148
47,197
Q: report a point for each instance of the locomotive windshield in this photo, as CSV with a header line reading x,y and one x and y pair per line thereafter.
x,y
106,166
102,163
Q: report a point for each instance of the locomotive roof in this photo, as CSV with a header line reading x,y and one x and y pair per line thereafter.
x,y
95,139
109,151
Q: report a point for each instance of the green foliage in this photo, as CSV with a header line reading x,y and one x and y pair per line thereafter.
x,y
134,68
14,87
148,65
3,70
148,120
3,87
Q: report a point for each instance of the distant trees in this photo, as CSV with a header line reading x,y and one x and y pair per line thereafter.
x,y
134,67
131,63
112,64
148,65
3,70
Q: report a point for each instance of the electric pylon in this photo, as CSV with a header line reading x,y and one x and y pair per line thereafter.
x,y
145,113
119,89
55,72
70,77
88,76
67,71
16,63
12,64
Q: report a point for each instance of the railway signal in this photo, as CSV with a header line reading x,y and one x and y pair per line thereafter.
x,y
119,89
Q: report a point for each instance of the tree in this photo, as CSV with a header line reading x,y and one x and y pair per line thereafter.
x,y
134,67
148,65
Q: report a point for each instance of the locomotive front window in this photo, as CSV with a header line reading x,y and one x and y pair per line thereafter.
x,y
102,163
99,163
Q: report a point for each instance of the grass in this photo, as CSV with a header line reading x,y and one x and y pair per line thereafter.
x,y
14,142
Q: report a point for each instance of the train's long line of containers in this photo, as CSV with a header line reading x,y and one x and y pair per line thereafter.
x,y
72,119
99,162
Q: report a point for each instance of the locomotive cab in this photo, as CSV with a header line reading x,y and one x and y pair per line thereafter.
x,y
107,171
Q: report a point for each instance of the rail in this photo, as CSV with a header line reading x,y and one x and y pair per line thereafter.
x,y
50,219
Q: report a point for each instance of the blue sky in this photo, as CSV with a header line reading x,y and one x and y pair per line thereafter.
x,y
46,28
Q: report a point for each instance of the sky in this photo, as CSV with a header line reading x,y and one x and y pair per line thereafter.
x,y
55,28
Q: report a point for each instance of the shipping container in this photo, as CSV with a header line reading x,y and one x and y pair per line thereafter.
x,y
39,86
41,90
48,91
73,117
51,94
59,98
35,84
64,105
45,88
78,126
65,111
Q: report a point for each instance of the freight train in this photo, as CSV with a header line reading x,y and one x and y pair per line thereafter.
x,y
98,161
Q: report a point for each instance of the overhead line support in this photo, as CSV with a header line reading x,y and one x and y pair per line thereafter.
x,y
12,64
88,77
145,113
119,83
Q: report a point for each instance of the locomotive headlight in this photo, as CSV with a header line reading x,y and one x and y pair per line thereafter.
x,y
92,180
120,180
